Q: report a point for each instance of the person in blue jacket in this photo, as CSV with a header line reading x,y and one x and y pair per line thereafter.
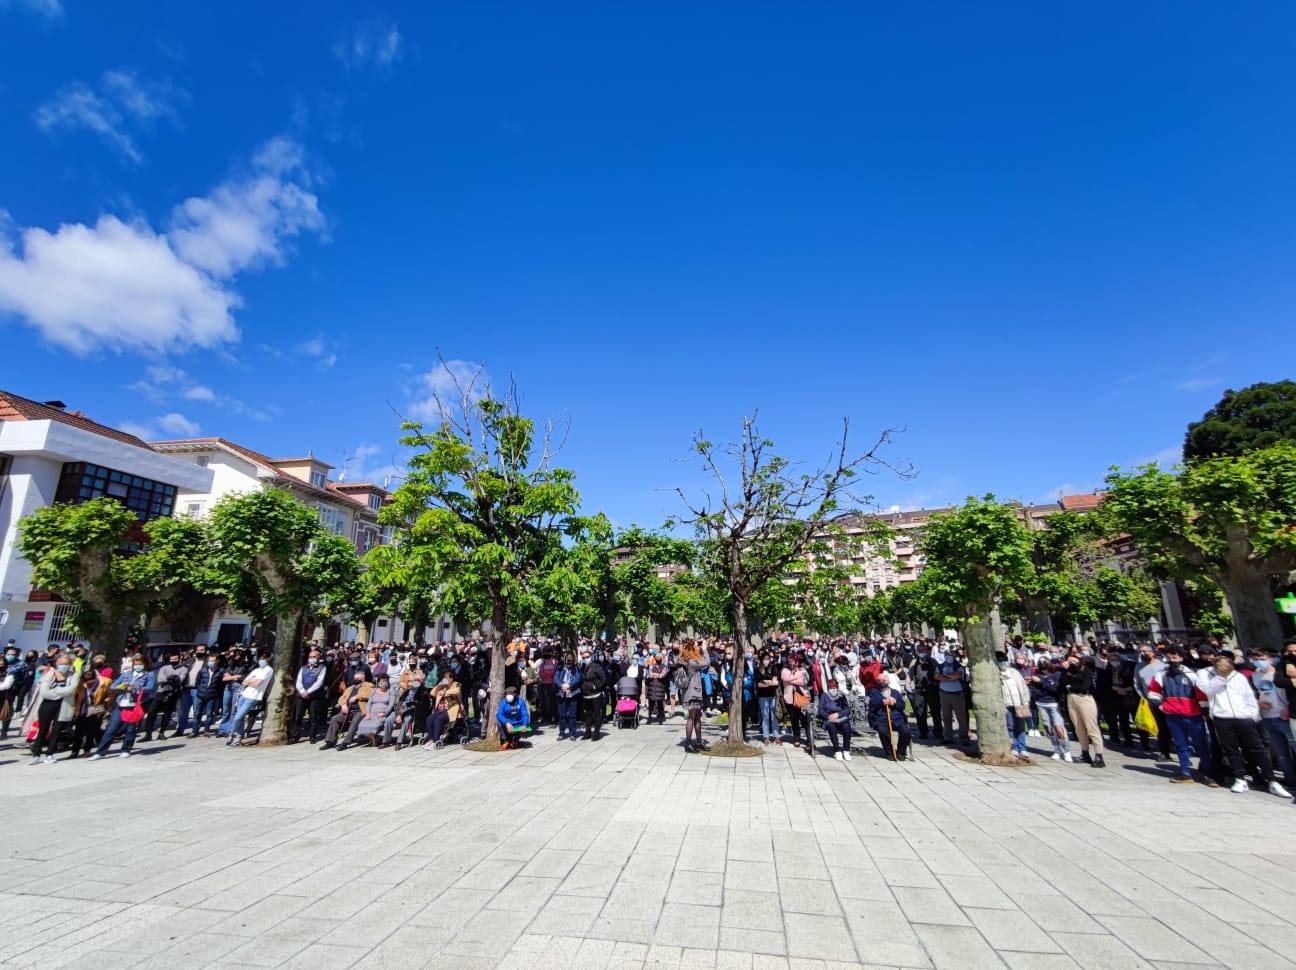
x,y
131,691
885,703
567,681
513,717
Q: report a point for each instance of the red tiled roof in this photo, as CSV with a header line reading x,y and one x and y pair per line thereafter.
x,y
1081,503
255,456
14,407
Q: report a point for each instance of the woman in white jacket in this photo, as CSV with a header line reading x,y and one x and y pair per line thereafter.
x,y
1235,712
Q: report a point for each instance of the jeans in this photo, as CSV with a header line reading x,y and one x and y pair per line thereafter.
x,y
115,724
230,702
567,717
1280,739
1055,726
1190,732
204,709
1017,728
188,701
769,725
437,722
245,705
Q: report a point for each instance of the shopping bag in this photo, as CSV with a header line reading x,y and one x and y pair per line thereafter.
x,y
1143,719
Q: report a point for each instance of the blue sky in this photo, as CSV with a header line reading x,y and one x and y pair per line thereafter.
x,y
1039,239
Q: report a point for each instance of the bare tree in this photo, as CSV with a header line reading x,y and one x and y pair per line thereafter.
x,y
769,515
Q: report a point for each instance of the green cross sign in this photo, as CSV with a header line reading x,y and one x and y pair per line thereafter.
x,y
1286,604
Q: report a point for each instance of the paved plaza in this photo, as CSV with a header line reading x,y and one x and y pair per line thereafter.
x,y
627,853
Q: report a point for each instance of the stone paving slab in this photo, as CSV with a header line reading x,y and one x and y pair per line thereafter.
x,y
628,853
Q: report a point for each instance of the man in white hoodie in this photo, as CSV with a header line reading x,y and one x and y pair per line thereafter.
x,y
1235,713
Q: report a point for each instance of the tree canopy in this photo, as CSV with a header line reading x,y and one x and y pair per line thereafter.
x,y
1255,417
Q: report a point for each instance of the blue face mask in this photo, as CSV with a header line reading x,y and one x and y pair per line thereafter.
x,y
263,663
1263,664
63,668
138,668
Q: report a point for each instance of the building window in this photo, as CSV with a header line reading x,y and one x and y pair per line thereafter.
x,y
193,508
318,479
332,519
203,460
61,625
375,502
81,482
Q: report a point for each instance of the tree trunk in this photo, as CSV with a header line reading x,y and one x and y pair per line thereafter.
x,y
274,728
742,639
499,642
987,690
1249,594
362,631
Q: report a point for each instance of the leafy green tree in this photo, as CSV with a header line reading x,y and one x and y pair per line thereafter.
x,y
176,569
976,555
1255,417
1129,597
278,562
75,552
767,517
1225,519
486,511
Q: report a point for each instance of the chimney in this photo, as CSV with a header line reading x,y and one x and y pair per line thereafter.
x,y
55,404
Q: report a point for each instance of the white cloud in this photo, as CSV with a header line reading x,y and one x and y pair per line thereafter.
x,y
178,424
1167,457
113,285
123,286
447,383
246,223
123,101
1193,384
324,355
374,43
165,373
143,431
200,393
358,468
50,9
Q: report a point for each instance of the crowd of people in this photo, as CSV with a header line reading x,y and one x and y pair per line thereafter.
x,y
1229,709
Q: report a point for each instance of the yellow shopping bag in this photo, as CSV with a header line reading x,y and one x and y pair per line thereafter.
x,y
1143,719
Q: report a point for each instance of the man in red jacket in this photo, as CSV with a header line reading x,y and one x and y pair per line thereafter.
x,y
1176,692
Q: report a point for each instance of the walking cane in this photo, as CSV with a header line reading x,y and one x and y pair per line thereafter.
x,y
890,731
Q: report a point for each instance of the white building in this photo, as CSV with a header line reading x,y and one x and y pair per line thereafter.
x,y
348,509
50,454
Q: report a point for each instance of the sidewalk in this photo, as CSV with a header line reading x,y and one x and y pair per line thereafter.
x,y
628,853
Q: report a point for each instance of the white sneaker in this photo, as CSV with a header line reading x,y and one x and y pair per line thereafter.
x,y
1279,790
124,754
36,760
1068,759
1056,757
95,757
49,760
847,754
838,756
1240,786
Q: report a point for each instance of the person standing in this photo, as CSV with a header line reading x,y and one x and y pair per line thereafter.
x,y
926,692
1016,698
131,692
694,697
1149,666
767,685
1176,693
190,696
796,695
1081,681
567,680
309,698
951,678
546,694
171,678
1046,691
592,687
255,687
1236,715
55,695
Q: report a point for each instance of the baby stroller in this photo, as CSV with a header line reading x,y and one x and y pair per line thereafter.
x,y
627,705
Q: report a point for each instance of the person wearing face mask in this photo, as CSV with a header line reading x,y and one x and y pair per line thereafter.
x,y
1273,710
1016,697
655,685
56,692
381,703
593,695
1176,693
6,698
767,686
513,718
835,715
309,698
255,687
131,691
886,711
447,708
1235,713
16,669
171,678
1151,665
926,692
567,681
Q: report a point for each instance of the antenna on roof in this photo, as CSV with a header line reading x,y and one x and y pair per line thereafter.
x,y
346,460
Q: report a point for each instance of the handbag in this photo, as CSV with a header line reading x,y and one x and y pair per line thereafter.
x,y
800,699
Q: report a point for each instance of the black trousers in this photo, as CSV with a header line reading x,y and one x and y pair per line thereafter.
x,y
1239,736
1115,711
547,702
593,715
86,733
47,737
900,734
839,733
927,702
163,707
317,706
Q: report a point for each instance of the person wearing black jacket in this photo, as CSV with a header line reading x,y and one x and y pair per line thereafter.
x,y
171,679
1285,674
1081,683
593,686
